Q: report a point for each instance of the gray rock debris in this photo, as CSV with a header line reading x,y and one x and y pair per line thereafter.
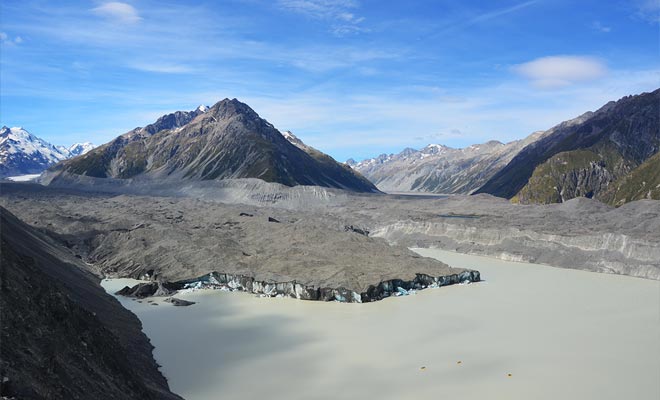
x,y
179,302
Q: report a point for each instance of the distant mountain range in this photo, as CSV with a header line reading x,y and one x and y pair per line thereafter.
x,y
609,154
228,140
23,153
440,169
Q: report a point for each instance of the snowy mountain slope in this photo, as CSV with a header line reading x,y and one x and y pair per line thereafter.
x,y
22,153
78,149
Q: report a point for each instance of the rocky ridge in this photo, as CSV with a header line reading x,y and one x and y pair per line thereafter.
x,y
584,156
226,141
440,169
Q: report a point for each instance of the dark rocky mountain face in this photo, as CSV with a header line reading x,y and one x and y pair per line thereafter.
x,y
229,140
63,337
584,156
174,120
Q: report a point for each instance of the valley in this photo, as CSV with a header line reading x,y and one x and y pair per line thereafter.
x,y
215,200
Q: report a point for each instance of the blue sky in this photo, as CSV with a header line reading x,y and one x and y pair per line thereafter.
x,y
354,78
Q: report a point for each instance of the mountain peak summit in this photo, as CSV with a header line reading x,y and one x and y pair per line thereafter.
x,y
227,108
228,141
23,153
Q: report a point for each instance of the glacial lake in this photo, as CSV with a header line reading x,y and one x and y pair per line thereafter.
x,y
527,332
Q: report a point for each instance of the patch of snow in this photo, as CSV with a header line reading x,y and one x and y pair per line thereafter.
x,y
23,178
78,149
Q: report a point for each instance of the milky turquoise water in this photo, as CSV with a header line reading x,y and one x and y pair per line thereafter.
x,y
560,334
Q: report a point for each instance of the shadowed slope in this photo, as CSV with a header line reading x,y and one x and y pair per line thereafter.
x,y
63,337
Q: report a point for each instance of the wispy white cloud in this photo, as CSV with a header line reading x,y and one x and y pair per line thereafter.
x,y
162,68
327,9
346,97
118,12
8,40
648,10
340,13
501,12
417,116
189,49
559,71
442,136
599,27
459,22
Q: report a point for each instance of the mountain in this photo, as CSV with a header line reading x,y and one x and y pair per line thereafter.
x,y
642,183
440,169
228,140
62,336
23,153
338,170
78,149
584,156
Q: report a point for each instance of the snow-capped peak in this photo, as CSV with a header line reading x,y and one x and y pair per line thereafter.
x,y
202,108
17,140
289,136
23,153
292,138
78,149
434,149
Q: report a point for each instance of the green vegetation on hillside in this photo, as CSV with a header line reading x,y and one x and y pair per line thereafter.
x,y
582,157
553,180
641,183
